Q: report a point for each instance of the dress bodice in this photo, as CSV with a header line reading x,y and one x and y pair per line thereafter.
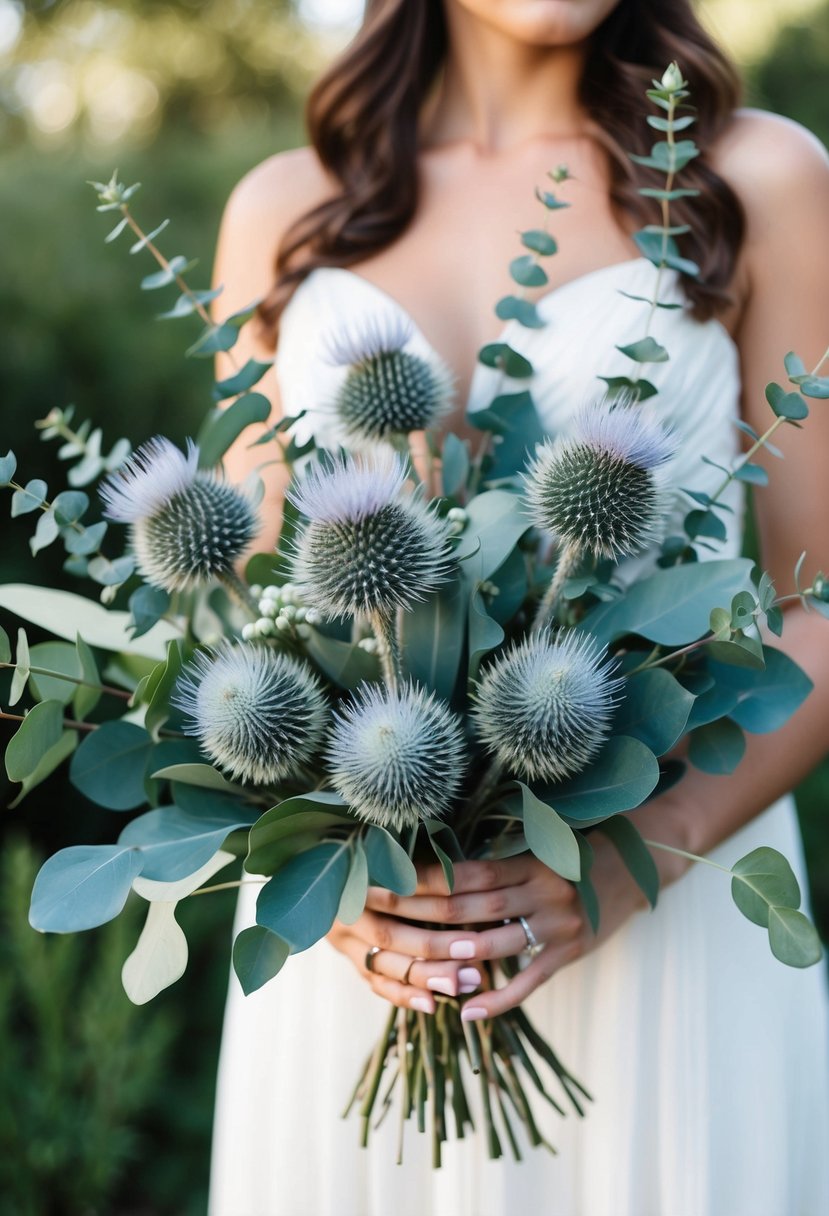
x,y
585,321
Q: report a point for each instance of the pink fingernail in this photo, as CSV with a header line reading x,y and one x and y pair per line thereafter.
x,y
462,950
439,983
465,989
469,975
471,1013
422,1004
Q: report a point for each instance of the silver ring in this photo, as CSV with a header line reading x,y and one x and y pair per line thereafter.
x,y
370,957
533,946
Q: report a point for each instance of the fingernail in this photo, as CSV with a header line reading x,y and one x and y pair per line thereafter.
x,y
465,989
462,950
422,1004
471,1013
469,975
439,983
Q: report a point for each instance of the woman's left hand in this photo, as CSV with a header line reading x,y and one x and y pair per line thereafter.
x,y
487,893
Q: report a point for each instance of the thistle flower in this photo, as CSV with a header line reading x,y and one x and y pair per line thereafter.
x,y
368,547
387,391
187,526
396,757
259,715
596,489
544,707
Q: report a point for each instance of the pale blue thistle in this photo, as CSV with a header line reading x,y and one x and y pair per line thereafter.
x,y
188,526
388,391
544,707
259,715
595,490
369,546
396,757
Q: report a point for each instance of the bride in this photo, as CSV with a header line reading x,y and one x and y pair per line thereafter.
x,y
706,1057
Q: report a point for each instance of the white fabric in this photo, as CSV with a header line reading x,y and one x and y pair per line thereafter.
x,y
706,1057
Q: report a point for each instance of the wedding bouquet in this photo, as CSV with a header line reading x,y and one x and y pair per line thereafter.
x,y
446,659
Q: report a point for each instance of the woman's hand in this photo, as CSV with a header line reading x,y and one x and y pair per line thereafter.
x,y
415,961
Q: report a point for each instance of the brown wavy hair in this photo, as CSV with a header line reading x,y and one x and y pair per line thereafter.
x,y
362,118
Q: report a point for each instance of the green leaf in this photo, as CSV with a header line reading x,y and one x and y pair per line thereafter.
x,y
46,531
718,747
624,384
258,955
300,903
767,698
433,638
158,710
646,350
752,474
186,305
5,647
221,336
552,840
484,632
670,124
635,854
39,731
741,650
496,523
445,847
761,880
513,308
175,841
292,826
650,245
585,888
705,523
786,405
86,541
389,865
539,241
203,776
69,506
61,658
47,764
501,355
29,498
526,272
177,265
20,675
454,465
815,386
511,580
621,777
793,938
672,606
245,378
147,606
109,765
82,886
8,468
344,663
655,710
353,899
549,200
514,420
111,573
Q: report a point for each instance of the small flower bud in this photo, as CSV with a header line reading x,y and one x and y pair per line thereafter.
x,y
256,591
312,616
672,80
820,587
264,627
457,515
288,612
300,614
248,632
303,632
369,645
267,607
283,624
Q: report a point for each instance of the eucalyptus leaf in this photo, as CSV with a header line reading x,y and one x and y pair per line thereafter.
x,y
109,765
389,865
762,880
241,381
147,606
497,522
433,637
258,955
61,658
46,531
635,854
484,632
786,405
38,733
8,468
86,696
158,709
717,747
646,350
20,675
353,899
793,938
175,841
454,465
344,663
49,761
159,957
291,826
299,904
655,710
204,776
616,385
82,886
620,778
224,426
550,838
513,308
526,272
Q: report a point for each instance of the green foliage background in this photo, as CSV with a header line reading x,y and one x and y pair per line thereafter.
x,y
76,329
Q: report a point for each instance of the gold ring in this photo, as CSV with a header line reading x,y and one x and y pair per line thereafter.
x,y
408,971
370,957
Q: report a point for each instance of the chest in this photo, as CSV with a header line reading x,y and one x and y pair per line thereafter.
x,y
451,265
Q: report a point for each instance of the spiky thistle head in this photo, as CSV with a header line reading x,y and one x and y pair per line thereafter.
x,y
596,489
544,707
187,526
258,714
368,545
397,757
388,390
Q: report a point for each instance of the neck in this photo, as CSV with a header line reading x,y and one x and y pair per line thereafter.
x,y
497,93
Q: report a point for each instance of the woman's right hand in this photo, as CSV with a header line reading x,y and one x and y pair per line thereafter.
x,y
411,963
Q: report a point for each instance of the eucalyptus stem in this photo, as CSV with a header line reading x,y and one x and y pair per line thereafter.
x,y
240,590
59,675
669,848
69,723
229,886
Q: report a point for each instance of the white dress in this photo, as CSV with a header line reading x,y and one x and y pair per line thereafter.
x,y
706,1057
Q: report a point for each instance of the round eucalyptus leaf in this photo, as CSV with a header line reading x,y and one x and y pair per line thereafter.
x,y
300,903
258,955
793,938
83,886
761,880
110,764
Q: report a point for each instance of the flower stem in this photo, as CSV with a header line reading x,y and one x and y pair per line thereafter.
x,y
240,590
567,562
59,675
388,648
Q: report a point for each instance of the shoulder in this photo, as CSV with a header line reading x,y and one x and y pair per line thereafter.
x,y
771,162
277,192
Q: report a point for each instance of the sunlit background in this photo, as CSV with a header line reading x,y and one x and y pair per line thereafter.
x,y
104,1108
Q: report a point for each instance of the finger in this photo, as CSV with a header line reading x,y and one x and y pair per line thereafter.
x,y
451,979
475,876
389,933
477,907
406,996
499,1000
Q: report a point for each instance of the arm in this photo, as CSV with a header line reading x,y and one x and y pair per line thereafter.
x,y
782,175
